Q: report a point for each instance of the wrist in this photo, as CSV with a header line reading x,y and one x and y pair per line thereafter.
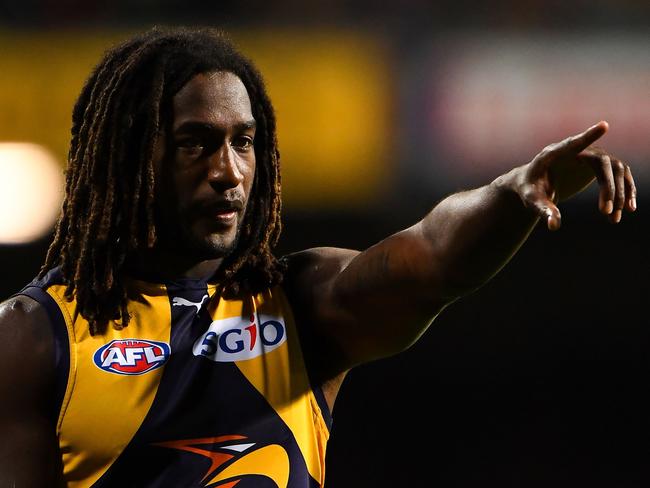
x,y
515,190
511,183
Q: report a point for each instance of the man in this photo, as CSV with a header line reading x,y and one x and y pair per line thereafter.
x,y
185,353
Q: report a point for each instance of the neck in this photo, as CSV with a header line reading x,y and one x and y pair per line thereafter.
x,y
163,265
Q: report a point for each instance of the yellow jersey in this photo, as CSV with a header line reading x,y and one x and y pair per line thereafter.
x,y
197,391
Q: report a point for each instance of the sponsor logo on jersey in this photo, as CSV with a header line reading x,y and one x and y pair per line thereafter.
x,y
131,356
234,457
238,339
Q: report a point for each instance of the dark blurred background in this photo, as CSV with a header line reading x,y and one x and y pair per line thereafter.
x,y
540,378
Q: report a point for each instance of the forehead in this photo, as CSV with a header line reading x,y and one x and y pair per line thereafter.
x,y
219,98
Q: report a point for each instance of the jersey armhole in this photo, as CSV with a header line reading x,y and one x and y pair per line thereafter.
x,y
322,404
61,345
304,335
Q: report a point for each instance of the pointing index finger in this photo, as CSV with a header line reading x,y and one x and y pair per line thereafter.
x,y
582,141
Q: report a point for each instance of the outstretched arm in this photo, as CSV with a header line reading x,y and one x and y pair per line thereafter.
x,y
365,305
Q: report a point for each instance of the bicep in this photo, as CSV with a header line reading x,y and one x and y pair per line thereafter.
x,y
386,297
402,269
28,453
371,304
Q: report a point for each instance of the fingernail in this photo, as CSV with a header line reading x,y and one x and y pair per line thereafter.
x,y
609,207
617,216
633,203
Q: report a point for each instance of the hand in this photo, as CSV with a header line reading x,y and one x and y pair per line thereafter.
x,y
565,168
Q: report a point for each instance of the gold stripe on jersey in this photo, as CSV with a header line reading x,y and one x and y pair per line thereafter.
x,y
292,398
101,412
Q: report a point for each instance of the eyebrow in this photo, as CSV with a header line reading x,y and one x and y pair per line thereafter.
x,y
191,126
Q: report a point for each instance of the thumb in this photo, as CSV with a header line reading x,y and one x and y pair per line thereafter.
x,y
548,212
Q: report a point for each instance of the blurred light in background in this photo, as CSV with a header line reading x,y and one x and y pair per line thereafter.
x,y
330,90
363,119
495,101
31,191
42,75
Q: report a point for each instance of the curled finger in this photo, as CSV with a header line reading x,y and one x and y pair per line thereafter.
x,y
601,164
630,190
618,170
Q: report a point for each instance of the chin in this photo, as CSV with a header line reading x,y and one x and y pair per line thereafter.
x,y
214,246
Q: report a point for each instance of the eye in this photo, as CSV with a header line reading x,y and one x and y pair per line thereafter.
x,y
191,146
242,143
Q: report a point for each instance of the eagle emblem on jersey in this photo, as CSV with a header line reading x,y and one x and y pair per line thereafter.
x,y
234,457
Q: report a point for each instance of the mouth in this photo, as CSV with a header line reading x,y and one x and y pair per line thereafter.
x,y
225,211
225,216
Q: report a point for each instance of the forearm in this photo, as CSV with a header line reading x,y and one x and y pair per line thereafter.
x,y
473,234
379,301
400,284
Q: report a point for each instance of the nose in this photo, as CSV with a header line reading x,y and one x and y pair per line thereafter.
x,y
224,172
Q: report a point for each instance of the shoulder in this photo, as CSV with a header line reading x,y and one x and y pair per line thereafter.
x,y
315,266
21,315
307,284
26,340
309,279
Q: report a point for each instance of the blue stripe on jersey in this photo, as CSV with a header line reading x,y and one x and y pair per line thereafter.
x,y
199,398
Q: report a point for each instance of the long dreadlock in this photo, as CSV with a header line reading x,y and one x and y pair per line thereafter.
x,y
108,212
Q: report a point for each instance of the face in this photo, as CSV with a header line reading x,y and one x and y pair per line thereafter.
x,y
205,172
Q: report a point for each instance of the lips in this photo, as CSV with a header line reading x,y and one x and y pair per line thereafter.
x,y
225,215
224,211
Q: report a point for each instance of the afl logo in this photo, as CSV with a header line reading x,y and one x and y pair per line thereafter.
x,y
131,356
237,339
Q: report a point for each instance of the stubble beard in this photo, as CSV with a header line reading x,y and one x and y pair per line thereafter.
x,y
212,246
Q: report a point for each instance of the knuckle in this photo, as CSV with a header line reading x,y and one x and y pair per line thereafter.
x,y
550,153
529,195
552,147
567,141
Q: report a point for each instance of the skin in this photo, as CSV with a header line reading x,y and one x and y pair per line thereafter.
x,y
29,451
204,175
353,300
359,306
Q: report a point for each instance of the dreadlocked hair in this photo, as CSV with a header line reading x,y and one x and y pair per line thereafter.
x,y
108,211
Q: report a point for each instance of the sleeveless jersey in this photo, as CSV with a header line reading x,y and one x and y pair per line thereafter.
x,y
197,391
